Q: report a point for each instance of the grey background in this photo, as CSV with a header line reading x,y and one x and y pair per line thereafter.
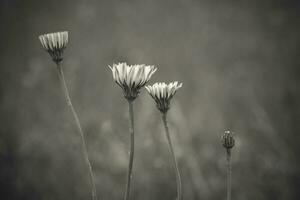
x,y
239,64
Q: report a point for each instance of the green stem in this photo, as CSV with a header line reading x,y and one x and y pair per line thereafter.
x,y
69,103
131,153
228,158
175,166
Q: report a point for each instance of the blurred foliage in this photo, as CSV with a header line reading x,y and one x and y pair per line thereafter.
x,y
238,60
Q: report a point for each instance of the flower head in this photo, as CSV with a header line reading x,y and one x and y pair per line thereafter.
x,y
55,43
228,140
131,78
162,93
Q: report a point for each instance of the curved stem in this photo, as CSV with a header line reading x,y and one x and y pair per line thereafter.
x,y
69,103
175,166
228,157
131,153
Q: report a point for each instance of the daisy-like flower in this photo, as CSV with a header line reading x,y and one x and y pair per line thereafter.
x,y
131,78
54,44
162,93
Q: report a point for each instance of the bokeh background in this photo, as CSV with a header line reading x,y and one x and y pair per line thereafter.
x,y
239,64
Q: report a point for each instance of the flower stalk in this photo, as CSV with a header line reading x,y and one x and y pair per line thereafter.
x,y
131,152
83,143
175,165
228,158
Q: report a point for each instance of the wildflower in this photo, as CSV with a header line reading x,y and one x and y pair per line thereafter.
x,y
54,44
162,93
131,78
228,140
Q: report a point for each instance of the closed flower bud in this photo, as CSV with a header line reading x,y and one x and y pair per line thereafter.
x,y
228,140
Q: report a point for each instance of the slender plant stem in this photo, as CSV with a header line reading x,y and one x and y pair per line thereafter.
x,y
175,166
228,158
69,103
131,152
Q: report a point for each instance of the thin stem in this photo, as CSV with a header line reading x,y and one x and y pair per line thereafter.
x,y
69,103
175,166
228,158
131,153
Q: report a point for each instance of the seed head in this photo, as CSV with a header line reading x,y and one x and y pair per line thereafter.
x,y
162,93
131,78
54,44
228,140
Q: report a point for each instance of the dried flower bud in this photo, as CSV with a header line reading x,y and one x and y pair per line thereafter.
x,y
228,140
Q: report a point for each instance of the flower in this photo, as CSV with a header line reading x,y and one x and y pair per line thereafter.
x,y
131,78
228,140
162,93
55,43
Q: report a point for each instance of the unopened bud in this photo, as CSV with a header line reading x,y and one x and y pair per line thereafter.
x,y
228,140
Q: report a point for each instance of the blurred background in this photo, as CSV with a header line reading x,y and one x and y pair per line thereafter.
x,y
239,64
